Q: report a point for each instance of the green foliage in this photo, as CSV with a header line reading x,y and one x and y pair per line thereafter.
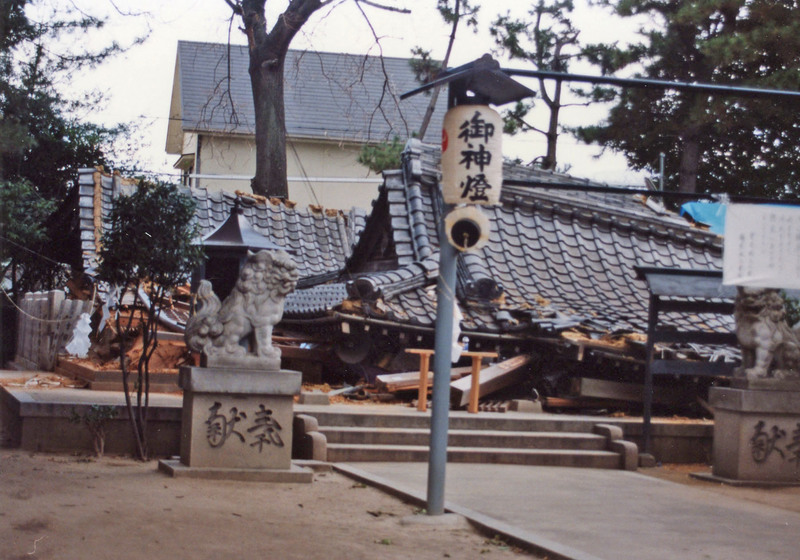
x,y
792,305
713,144
42,141
149,237
383,156
95,418
23,237
457,11
425,68
547,38
146,249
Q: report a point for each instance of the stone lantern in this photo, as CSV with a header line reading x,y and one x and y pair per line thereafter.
x,y
226,250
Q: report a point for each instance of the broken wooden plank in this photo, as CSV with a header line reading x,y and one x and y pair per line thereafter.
x,y
581,402
407,381
491,379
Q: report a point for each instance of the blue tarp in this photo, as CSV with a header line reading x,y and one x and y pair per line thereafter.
x,y
711,214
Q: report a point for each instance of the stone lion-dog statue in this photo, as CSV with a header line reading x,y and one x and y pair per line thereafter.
x,y
770,348
238,331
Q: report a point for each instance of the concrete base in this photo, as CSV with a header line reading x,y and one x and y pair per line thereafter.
x,y
237,419
756,435
294,474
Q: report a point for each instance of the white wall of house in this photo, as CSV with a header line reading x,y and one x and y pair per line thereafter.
x,y
325,173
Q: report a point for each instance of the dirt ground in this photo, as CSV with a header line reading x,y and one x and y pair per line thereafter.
x,y
62,508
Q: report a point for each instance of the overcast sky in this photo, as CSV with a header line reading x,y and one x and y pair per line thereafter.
x,y
139,83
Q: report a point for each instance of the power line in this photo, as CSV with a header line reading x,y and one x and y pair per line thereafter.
x,y
41,256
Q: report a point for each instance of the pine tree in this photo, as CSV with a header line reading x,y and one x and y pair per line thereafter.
x,y
42,142
549,41
715,143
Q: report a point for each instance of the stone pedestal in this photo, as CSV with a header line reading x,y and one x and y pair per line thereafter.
x,y
756,433
237,423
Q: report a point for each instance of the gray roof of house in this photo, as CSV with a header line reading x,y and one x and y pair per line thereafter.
x,y
327,95
555,259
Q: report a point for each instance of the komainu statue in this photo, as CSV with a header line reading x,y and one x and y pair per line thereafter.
x,y
238,331
770,348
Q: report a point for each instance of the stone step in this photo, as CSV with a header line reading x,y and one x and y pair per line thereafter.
x,y
111,380
456,421
344,453
465,438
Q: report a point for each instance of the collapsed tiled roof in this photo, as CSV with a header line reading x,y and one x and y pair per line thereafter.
x,y
323,240
555,259
96,190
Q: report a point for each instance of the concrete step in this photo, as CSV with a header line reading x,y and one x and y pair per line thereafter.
x,y
345,453
465,438
482,421
404,435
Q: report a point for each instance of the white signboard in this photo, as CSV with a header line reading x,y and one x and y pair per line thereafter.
x,y
762,246
472,155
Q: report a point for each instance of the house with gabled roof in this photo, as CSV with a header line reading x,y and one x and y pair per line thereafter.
x,y
335,103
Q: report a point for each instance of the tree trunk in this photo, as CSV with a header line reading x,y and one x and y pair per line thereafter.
x,y
267,83
690,162
423,127
552,136
554,105
267,56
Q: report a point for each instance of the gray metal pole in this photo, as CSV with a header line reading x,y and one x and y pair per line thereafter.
x,y
440,401
661,171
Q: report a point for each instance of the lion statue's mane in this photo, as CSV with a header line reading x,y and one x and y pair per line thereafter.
x,y
238,331
770,348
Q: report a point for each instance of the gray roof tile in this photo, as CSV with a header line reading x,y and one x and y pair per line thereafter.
x,y
325,239
562,259
327,95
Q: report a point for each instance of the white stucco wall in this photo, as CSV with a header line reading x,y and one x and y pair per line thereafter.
x,y
227,156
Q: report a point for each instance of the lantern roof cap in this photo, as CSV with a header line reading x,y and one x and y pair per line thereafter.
x,y
484,78
237,233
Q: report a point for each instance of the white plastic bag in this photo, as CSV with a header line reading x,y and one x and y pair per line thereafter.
x,y
79,345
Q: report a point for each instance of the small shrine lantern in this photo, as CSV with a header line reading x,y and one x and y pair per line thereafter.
x,y
226,249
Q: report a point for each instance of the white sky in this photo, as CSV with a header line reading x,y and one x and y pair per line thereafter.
x,y
139,82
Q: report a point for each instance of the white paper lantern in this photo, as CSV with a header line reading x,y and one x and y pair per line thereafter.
x,y
472,155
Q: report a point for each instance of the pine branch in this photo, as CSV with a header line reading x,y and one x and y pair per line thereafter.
x,y
382,6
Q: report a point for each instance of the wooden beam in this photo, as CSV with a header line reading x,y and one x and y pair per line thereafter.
x,y
491,379
408,381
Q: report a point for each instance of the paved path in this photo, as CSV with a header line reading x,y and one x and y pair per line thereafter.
x,y
586,514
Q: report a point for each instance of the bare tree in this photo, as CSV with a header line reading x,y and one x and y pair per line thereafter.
x,y
425,67
268,49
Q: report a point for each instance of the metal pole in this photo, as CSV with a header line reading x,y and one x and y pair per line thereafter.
x,y
661,157
652,322
440,401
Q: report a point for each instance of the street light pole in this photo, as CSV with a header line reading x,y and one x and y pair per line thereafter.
x,y
440,400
